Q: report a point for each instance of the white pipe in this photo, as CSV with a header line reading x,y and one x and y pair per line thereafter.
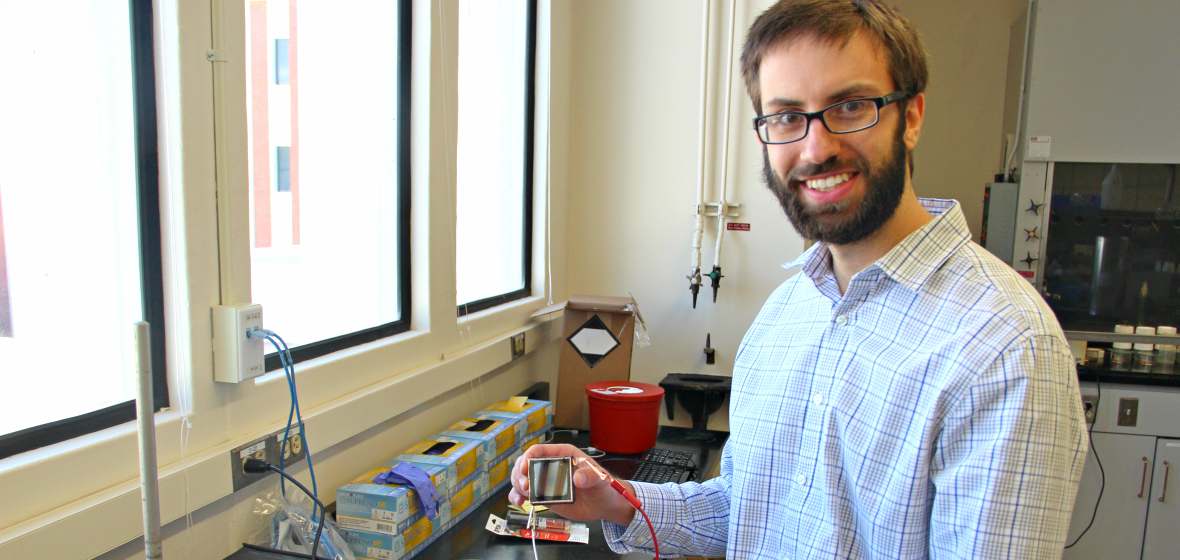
x,y
699,227
149,484
1028,28
721,203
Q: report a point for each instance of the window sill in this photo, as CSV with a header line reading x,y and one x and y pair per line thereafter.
x,y
202,477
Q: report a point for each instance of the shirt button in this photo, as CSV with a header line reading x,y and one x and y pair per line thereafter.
x,y
817,399
842,320
801,480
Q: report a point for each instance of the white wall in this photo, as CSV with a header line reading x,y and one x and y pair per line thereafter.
x,y
633,159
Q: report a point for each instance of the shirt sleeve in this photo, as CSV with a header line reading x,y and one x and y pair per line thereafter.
x,y
1009,458
690,518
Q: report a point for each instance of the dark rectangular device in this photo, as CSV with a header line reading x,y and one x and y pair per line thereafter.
x,y
551,480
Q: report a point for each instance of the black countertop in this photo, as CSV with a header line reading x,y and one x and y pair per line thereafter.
x,y
1107,375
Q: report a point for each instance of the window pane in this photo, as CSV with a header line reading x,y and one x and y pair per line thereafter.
x,y
70,278
281,60
491,175
324,166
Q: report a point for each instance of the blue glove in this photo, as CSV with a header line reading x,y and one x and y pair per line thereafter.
x,y
406,473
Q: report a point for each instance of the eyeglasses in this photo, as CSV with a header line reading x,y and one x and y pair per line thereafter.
x,y
853,115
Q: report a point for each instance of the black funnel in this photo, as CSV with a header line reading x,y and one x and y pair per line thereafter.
x,y
699,394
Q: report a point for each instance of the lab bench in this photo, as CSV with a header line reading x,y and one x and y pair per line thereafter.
x,y
469,539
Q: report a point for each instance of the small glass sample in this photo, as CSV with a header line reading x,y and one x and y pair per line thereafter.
x,y
551,480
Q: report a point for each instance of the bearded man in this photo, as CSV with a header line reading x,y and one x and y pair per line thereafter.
x,y
906,394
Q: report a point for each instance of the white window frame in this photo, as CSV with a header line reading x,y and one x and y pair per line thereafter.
x,y
206,262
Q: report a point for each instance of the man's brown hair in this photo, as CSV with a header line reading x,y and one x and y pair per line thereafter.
x,y
836,21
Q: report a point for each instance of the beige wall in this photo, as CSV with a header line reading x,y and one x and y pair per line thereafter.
x,y
633,133
960,148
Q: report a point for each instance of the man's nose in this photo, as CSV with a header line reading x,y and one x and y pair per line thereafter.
x,y
819,145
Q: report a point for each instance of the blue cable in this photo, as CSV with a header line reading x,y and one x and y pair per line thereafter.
x,y
290,372
266,334
287,362
290,416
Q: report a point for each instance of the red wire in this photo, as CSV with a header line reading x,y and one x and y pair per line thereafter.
x,y
634,501
655,543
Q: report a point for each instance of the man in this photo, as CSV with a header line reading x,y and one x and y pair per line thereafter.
x,y
906,395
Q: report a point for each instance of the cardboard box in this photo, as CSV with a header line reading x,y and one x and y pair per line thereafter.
x,y
458,455
363,499
529,416
469,495
496,436
498,472
375,545
598,335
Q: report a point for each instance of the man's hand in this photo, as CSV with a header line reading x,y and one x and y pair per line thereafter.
x,y
594,499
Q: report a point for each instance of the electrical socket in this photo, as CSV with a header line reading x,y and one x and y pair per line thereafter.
x,y
1090,407
266,448
295,450
517,345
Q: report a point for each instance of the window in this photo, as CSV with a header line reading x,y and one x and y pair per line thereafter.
x,y
494,152
332,225
282,61
79,230
283,169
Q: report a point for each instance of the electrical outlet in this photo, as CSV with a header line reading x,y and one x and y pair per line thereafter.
x,y
517,345
1090,407
267,449
262,449
295,451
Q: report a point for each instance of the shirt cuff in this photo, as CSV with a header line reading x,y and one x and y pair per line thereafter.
x,y
635,535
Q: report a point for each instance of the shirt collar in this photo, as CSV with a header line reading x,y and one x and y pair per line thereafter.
x,y
912,261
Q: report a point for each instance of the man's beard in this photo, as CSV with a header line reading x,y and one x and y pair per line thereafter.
x,y
883,190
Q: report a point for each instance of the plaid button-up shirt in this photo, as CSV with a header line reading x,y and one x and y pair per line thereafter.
x,y
931,411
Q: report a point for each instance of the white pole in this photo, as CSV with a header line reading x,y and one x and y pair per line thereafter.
x,y
721,203
149,484
699,226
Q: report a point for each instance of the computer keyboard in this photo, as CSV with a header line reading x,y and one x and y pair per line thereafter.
x,y
657,473
672,457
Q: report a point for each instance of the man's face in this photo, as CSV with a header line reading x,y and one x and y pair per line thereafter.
x,y
836,188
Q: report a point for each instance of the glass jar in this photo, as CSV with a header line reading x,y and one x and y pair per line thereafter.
x,y
1144,352
1165,361
1121,354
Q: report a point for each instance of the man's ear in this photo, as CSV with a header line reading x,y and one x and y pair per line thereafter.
x,y
915,113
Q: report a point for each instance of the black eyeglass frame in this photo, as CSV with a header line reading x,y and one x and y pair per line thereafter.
x,y
878,101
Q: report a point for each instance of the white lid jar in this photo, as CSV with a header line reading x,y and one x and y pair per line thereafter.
x,y
1165,330
1144,346
1123,329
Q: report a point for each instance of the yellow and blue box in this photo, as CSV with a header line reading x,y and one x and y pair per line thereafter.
x,y
375,545
496,436
421,533
389,503
359,524
532,416
498,472
469,495
384,546
459,456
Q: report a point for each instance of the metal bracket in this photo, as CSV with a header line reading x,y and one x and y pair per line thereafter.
x,y
712,209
